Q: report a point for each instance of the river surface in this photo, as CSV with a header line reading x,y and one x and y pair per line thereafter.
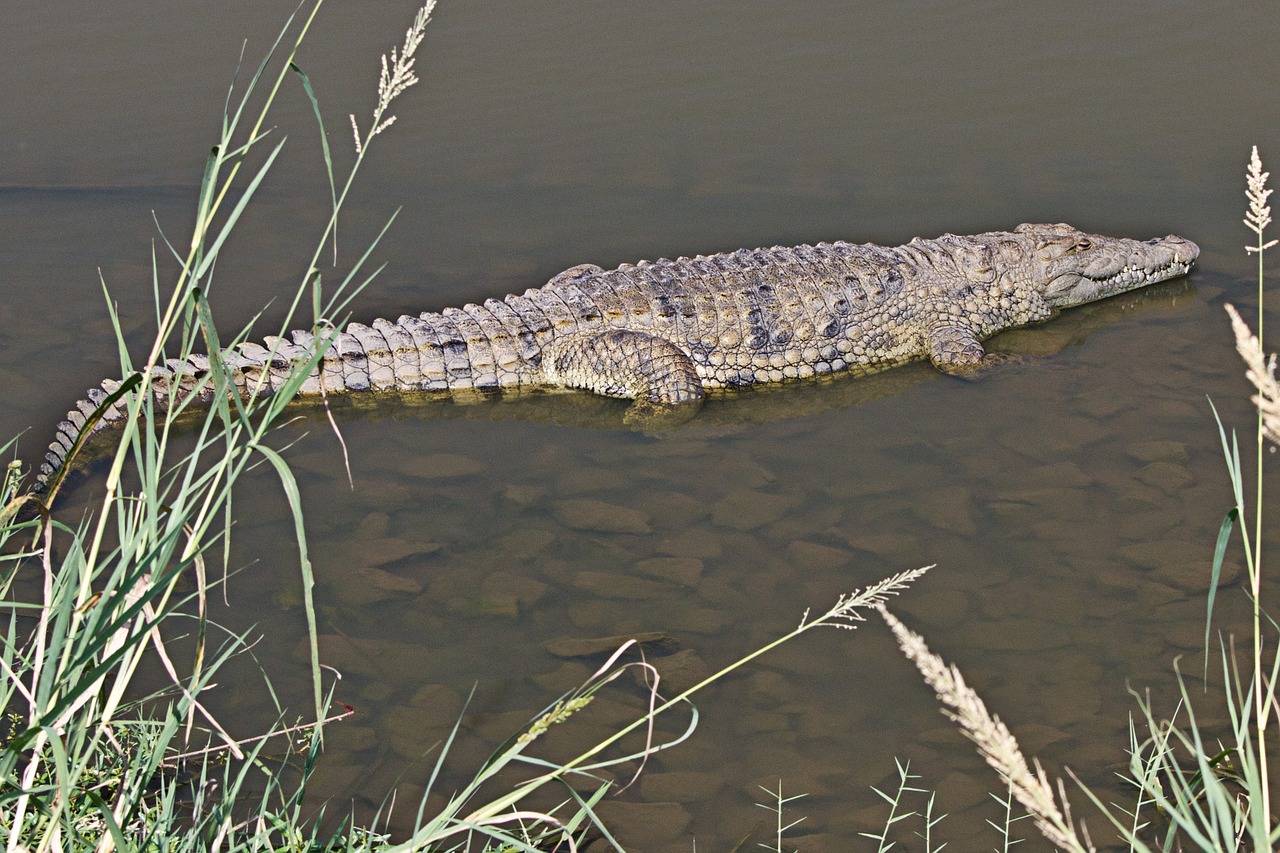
x,y
1070,500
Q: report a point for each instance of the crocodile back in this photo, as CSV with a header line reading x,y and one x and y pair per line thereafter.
x,y
754,315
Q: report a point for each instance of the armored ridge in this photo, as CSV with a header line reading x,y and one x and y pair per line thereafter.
x,y
663,333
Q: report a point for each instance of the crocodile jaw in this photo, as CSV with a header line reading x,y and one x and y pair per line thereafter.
x,y
1113,266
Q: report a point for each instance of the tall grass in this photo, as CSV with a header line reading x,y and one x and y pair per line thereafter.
x,y
85,762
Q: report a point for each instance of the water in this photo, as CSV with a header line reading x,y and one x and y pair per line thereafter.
x,y
1070,502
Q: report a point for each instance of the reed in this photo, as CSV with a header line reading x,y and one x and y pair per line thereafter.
x,y
84,762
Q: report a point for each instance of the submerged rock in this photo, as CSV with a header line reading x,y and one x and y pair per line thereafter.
x,y
696,542
1157,451
439,466
678,672
747,510
680,786
639,826
811,555
1166,476
576,647
682,570
611,585
600,517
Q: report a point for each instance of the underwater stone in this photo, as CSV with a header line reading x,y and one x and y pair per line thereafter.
x,y
600,517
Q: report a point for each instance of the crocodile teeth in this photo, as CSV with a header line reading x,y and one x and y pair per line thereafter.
x,y
1130,274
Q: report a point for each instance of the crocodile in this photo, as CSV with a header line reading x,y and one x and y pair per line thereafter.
x,y
665,333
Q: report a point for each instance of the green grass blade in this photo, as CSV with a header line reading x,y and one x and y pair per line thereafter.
x,y
208,187
234,216
1231,454
1219,551
324,147
290,485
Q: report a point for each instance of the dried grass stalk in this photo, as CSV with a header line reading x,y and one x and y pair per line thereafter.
x,y
996,744
1261,372
1258,217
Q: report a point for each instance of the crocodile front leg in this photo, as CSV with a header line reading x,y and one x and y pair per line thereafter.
x,y
638,366
955,349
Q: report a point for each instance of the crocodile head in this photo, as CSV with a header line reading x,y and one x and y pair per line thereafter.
x,y
1070,267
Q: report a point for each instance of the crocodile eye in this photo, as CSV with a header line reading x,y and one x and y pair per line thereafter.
x,y
1084,244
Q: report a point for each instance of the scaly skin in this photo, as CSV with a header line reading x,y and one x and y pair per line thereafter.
x,y
666,332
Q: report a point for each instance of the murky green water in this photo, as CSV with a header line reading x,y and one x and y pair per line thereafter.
x,y
1070,503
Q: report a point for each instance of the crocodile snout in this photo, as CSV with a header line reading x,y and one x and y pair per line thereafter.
x,y
1182,247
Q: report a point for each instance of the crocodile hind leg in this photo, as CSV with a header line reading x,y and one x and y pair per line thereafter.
x,y
652,371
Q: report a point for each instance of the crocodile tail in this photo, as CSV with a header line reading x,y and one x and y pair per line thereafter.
x,y
483,347
253,366
99,410
474,347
